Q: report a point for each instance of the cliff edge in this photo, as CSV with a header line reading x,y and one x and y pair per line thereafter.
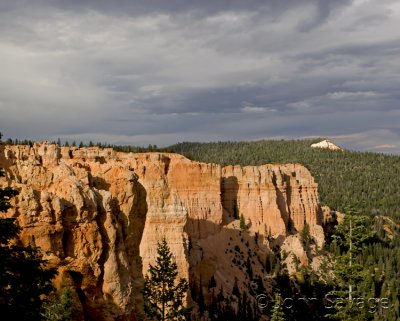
x,y
97,215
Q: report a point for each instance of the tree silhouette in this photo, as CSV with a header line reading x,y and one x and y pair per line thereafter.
x,y
163,294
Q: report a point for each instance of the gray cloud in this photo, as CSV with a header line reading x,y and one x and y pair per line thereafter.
x,y
165,71
273,8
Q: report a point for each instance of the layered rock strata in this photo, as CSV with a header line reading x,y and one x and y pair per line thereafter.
x,y
98,214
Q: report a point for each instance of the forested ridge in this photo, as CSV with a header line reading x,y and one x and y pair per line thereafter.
x,y
366,181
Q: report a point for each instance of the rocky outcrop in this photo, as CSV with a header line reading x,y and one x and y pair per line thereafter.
x,y
326,144
97,215
274,199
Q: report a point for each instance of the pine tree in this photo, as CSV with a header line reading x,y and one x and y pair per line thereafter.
x,y
305,238
243,225
59,308
163,295
351,236
277,312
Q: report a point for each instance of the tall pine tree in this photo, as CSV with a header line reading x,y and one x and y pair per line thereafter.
x,y
163,294
351,277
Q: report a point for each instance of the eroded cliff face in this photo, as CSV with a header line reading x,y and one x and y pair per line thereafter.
x,y
97,215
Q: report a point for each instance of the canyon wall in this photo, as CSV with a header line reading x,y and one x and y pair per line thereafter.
x,y
98,214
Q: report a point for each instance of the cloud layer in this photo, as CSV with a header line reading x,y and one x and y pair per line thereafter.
x,y
160,72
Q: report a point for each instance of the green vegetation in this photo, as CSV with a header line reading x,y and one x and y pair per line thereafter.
x,y
242,221
58,307
370,266
305,238
360,281
163,296
277,311
364,180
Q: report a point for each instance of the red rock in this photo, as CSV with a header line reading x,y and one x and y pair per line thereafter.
x,y
98,215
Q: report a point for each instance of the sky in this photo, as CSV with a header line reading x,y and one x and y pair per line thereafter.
x,y
161,72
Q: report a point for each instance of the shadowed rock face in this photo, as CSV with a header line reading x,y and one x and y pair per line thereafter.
x,y
98,214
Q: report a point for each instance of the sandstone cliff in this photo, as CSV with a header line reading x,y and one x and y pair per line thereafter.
x,y
98,214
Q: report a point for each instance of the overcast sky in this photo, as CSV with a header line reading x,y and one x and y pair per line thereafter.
x,y
161,72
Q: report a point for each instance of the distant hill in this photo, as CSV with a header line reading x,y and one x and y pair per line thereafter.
x,y
369,182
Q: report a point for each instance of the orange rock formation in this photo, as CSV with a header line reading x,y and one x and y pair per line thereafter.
x,y
97,215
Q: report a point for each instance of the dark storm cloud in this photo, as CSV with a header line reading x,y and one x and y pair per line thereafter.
x,y
165,71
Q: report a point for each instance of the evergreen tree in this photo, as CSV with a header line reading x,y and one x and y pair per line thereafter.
x,y
277,311
305,238
163,294
351,277
242,223
23,278
58,308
